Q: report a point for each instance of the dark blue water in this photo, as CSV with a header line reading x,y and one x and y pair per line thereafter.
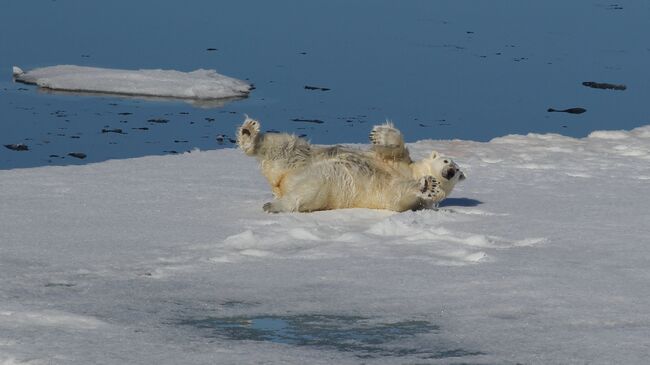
x,y
439,69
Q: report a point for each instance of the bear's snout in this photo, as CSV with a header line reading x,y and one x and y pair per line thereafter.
x,y
449,173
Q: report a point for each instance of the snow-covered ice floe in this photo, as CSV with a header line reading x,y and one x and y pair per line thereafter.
x,y
199,84
539,257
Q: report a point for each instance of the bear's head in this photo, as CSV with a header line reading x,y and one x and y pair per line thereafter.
x,y
443,168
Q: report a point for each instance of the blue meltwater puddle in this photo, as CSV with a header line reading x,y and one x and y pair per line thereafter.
x,y
361,336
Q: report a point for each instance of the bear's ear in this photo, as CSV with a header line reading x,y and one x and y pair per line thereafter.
x,y
434,155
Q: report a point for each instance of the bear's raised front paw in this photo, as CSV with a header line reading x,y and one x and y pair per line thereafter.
x,y
385,135
430,188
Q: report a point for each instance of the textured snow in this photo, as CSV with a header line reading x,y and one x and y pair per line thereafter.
x,y
539,257
198,84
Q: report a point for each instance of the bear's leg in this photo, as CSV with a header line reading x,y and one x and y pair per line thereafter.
x,y
425,193
248,135
388,143
292,203
305,193
277,206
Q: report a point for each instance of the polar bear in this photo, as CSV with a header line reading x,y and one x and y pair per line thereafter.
x,y
306,178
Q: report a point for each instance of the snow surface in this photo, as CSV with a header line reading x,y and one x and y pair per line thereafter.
x,y
198,84
539,257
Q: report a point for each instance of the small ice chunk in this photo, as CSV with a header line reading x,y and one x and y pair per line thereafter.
x,y
199,84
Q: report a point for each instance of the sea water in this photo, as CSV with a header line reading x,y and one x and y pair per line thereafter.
x,y
325,70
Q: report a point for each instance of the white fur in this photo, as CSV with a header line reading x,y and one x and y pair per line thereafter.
x,y
307,178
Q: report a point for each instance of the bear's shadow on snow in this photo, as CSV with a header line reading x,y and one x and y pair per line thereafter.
x,y
460,202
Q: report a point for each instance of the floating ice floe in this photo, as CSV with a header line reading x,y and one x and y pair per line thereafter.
x,y
199,84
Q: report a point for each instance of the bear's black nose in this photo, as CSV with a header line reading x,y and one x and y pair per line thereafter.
x,y
450,173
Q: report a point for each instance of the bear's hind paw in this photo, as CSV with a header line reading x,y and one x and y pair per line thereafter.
x,y
246,135
250,128
271,208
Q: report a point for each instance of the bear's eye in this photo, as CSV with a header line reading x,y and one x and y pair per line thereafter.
x,y
446,161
